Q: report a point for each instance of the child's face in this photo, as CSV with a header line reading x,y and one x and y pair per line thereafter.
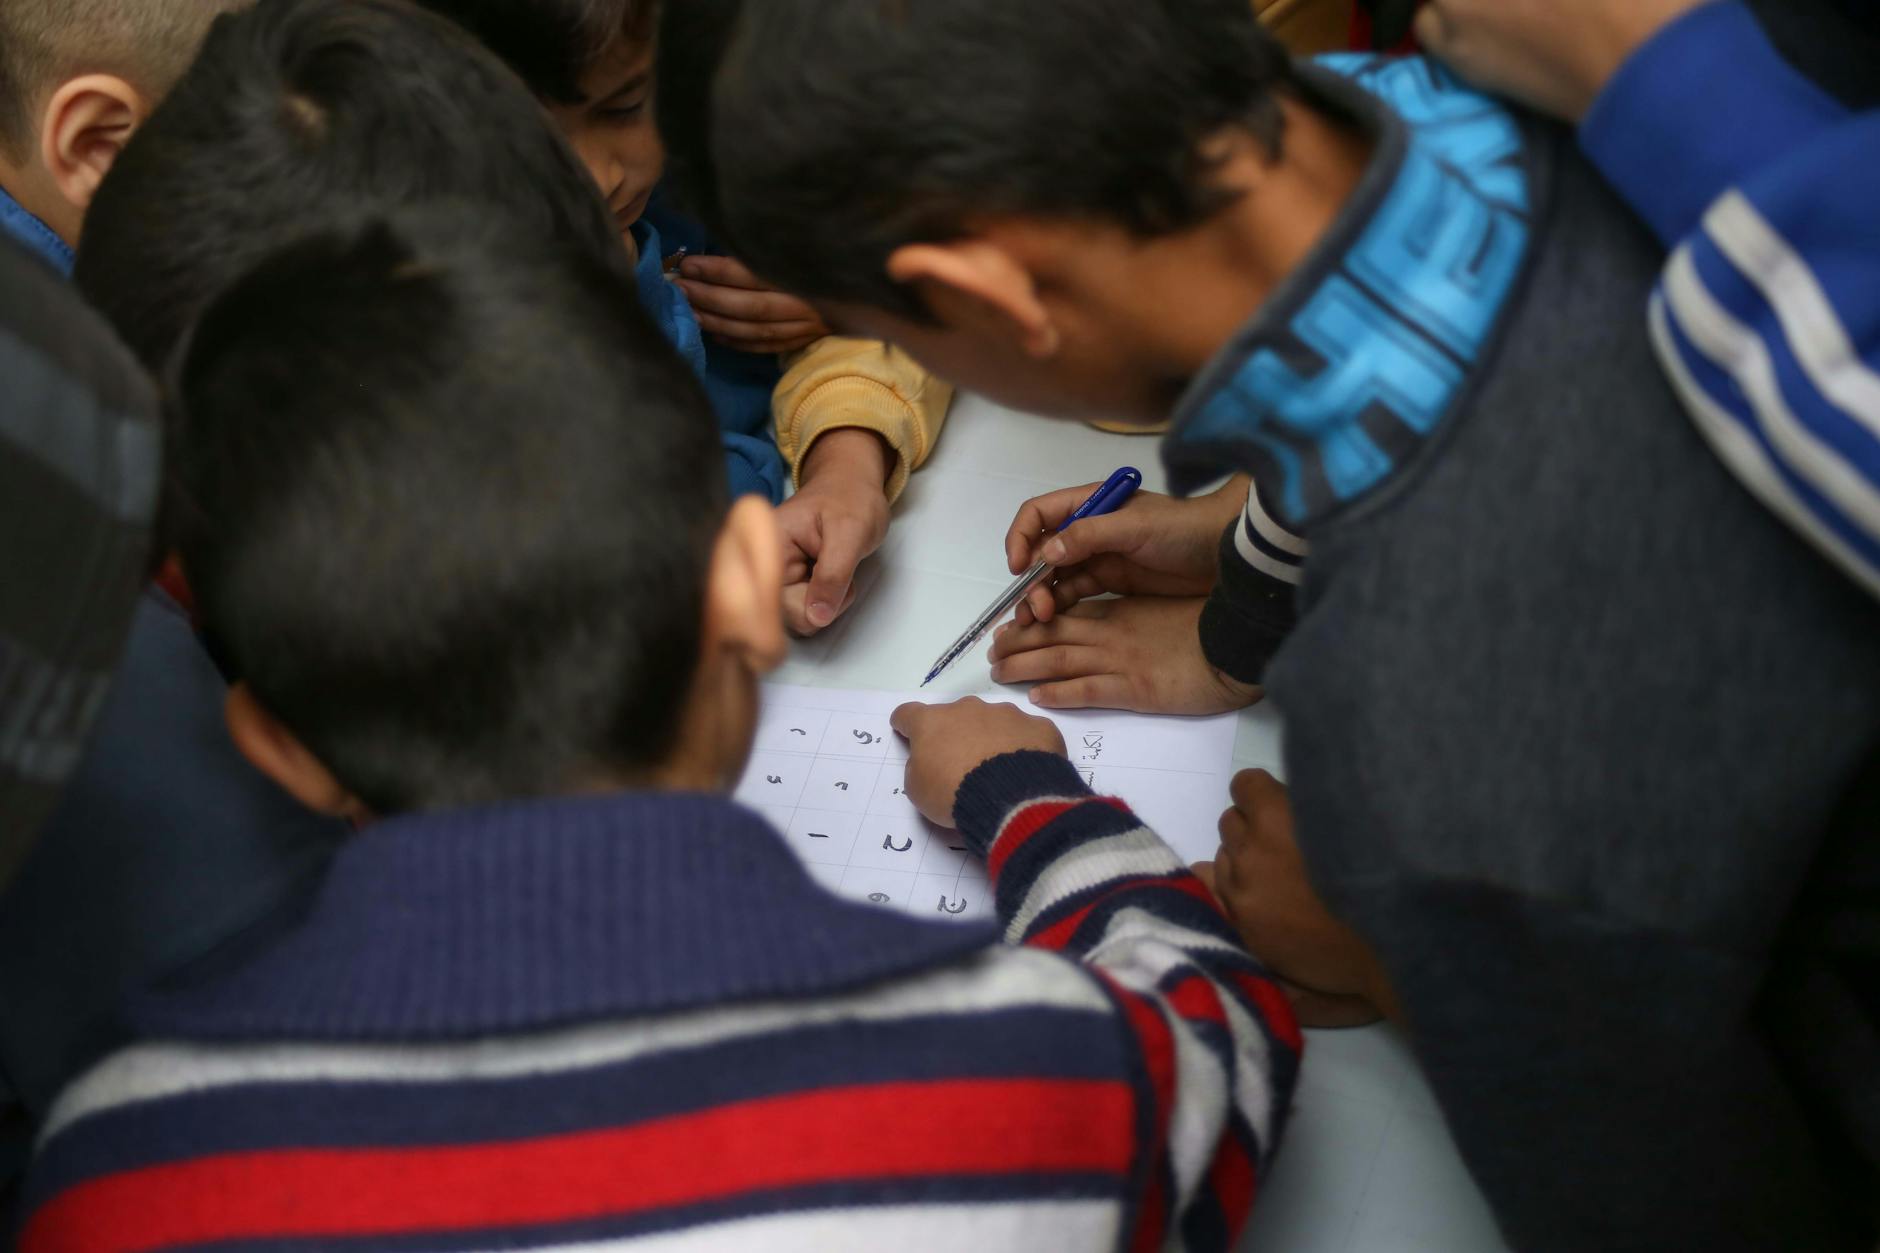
x,y
612,131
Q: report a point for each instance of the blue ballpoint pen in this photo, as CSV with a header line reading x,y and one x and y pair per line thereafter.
x,y
1112,496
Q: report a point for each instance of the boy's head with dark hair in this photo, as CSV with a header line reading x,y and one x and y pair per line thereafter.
x,y
457,516
991,184
302,113
77,77
590,63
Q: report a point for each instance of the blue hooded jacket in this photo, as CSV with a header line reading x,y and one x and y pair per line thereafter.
x,y
739,384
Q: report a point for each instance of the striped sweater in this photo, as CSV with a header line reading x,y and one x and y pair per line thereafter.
x,y
634,1022
1768,316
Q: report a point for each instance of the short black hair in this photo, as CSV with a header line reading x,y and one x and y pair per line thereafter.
x,y
300,114
817,136
46,42
447,503
550,44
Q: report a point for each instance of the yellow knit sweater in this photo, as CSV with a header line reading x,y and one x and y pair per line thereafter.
x,y
840,383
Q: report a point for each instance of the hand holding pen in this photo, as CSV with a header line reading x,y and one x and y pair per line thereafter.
x,y
1113,495
1156,546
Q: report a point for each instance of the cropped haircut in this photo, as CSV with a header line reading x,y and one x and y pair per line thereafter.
x,y
816,137
46,42
448,501
300,114
550,44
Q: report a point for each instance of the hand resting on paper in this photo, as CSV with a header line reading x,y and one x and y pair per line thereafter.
x,y
1333,977
1140,653
948,742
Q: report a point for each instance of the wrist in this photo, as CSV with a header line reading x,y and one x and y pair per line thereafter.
x,y
1632,26
1234,693
849,454
1698,108
1000,784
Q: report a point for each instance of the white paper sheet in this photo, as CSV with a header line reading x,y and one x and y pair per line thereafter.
x,y
1368,1165
827,770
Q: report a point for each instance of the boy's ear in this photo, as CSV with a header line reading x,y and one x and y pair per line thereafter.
x,y
85,126
278,753
972,281
744,588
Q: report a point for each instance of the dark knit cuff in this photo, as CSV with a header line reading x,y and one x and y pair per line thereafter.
x,y
1247,618
996,788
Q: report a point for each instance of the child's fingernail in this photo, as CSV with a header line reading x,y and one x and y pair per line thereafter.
x,y
1054,552
821,614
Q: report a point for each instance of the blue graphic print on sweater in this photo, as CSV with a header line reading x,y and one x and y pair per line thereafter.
x,y
1360,354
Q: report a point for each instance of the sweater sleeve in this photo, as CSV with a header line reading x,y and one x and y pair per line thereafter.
x,y
1219,1045
846,383
1251,610
1767,319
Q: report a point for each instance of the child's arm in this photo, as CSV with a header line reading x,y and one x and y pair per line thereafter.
x,y
1260,878
850,384
1768,316
1767,320
854,420
1081,876
1148,652
1153,546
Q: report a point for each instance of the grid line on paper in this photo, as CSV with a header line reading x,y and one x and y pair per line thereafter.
x,y
830,781
826,769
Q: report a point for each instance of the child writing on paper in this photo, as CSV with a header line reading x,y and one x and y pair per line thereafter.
x,y
1572,722
849,419
560,988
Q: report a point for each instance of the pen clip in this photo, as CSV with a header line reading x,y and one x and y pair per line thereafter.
x,y
1106,499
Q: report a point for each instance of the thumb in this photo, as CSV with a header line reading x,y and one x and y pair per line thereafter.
x,y
843,547
1121,532
907,719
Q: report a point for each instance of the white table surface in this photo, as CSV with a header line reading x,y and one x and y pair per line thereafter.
x,y
1367,1165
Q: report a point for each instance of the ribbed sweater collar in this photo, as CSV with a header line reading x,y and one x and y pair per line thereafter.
x,y
546,914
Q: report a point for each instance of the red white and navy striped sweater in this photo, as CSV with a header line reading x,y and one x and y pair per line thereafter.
x,y
635,1022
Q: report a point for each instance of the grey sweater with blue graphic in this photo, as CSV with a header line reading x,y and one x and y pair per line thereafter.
x,y
1582,740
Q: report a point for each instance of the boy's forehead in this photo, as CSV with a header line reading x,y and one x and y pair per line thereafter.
x,y
622,61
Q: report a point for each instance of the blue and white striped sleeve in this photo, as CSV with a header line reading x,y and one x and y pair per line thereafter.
x,y
1768,316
